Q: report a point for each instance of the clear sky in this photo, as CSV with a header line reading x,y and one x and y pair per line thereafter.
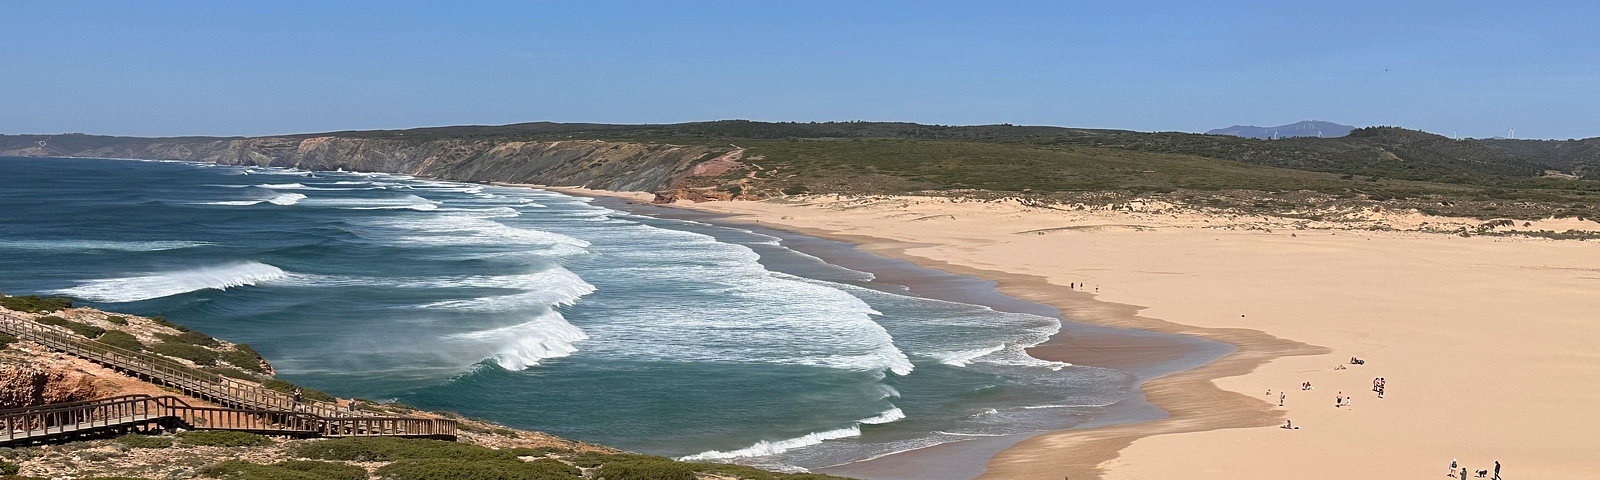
x,y
255,68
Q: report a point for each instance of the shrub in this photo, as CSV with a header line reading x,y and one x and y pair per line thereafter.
x,y
647,469
506,432
121,339
7,340
456,469
8,468
289,470
287,387
243,358
135,440
190,337
116,320
231,372
223,438
86,330
537,452
34,304
198,355
162,321
382,449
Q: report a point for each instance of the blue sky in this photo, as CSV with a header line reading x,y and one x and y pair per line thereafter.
x,y
238,68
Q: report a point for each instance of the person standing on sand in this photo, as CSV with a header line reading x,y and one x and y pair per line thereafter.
x,y
1452,468
1281,395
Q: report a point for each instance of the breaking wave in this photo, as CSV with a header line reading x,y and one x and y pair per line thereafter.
x,y
764,448
518,347
157,285
123,246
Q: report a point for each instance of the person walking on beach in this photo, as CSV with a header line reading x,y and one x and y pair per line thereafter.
x,y
1496,470
1338,400
1281,396
1452,468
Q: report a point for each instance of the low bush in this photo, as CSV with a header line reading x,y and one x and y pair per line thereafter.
x,y
116,320
650,469
8,468
34,304
456,469
243,358
223,438
231,372
121,339
506,432
7,340
190,337
595,459
289,470
162,321
538,452
86,330
198,355
134,440
382,449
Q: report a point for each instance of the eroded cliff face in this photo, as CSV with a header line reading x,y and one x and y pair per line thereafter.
x,y
596,164
23,385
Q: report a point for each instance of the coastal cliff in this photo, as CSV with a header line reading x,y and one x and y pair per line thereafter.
x,y
607,165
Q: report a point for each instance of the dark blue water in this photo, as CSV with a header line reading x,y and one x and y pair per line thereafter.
x,y
538,310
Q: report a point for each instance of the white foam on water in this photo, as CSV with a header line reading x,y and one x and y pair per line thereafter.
x,y
521,346
162,284
286,199
124,246
962,358
283,186
764,448
893,415
556,286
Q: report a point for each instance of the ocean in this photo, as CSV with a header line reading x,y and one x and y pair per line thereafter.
x,y
541,311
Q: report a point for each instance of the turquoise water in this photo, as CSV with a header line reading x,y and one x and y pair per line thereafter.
x,y
539,310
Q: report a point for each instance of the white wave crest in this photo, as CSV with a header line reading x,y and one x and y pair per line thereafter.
x,y
557,286
518,347
963,358
157,285
893,415
764,448
283,186
286,199
125,246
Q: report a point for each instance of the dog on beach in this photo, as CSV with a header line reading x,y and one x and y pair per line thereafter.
x,y
1483,473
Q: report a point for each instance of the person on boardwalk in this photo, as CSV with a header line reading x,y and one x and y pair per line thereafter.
x,y
296,394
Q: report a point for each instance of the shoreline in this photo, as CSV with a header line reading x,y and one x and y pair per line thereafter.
x,y
1184,396
1485,340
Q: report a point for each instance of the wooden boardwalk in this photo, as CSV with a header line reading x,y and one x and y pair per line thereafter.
x,y
247,407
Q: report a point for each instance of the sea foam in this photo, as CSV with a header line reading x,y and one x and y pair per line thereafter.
x,y
162,284
764,448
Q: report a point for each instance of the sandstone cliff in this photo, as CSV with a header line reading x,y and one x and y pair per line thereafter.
x,y
620,166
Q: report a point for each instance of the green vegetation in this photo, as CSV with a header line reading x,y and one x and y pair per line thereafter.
x,y
455,469
382,449
199,355
223,438
632,466
121,339
8,468
538,452
231,372
190,337
287,387
116,320
134,440
162,321
288,470
89,331
34,304
7,340
244,357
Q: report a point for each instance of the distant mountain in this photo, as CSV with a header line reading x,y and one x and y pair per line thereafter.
x,y
1308,128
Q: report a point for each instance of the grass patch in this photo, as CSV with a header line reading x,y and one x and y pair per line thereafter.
x,y
222,438
456,469
7,340
116,320
162,321
244,357
190,337
198,355
88,331
383,449
231,372
537,452
288,470
35,304
134,440
122,340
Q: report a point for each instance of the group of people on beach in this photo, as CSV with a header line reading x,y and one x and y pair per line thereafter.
x,y
1377,385
1463,472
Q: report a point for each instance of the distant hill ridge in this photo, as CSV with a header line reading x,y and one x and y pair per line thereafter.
x,y
1307,128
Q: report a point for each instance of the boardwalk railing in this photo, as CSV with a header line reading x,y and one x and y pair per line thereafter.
x,y
240,396
134,412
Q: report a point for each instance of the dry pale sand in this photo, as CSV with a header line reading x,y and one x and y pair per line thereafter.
x,y
1490,345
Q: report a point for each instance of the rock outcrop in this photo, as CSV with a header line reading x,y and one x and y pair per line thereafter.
x,y
31,385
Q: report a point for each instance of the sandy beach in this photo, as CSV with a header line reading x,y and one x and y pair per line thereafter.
x,y
1487,344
